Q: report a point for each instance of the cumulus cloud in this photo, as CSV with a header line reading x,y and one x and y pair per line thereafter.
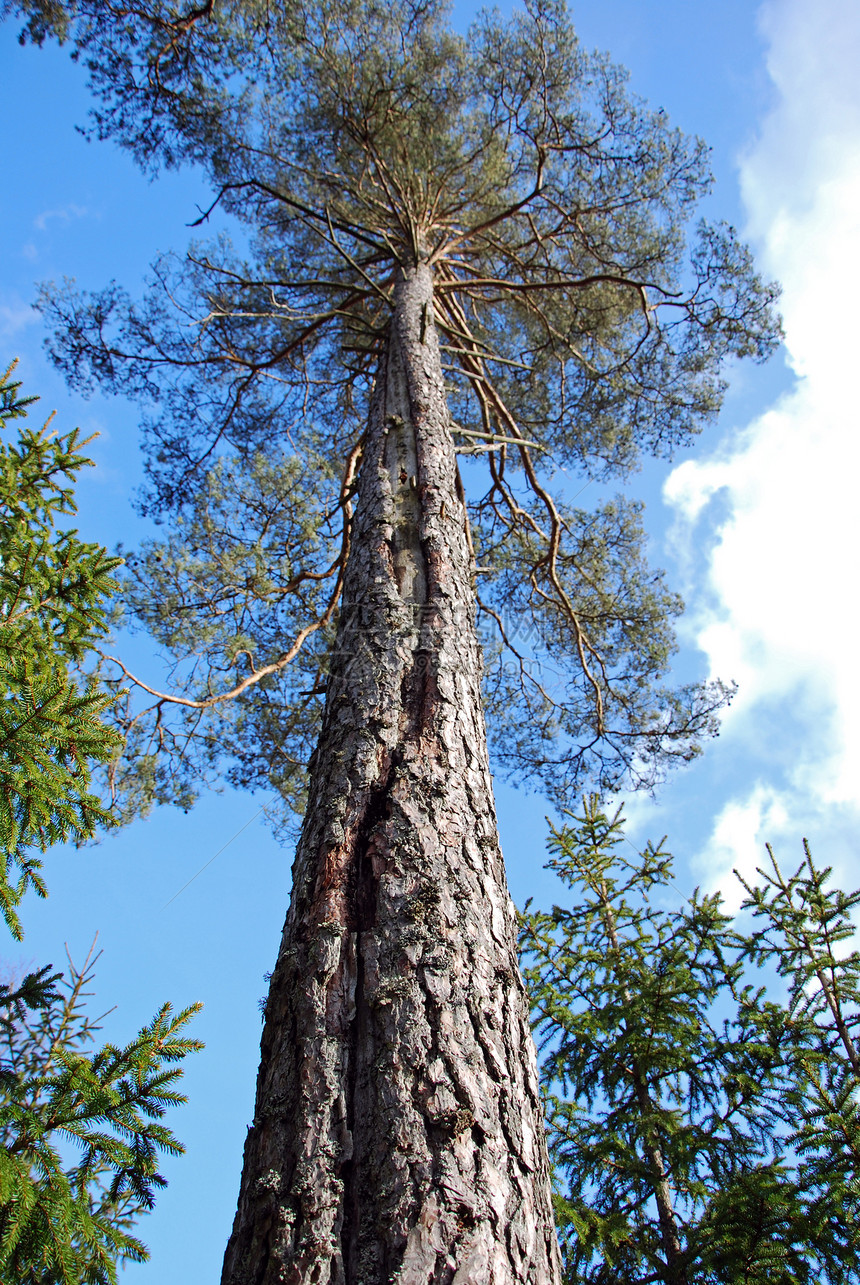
x,y
738,840
778,608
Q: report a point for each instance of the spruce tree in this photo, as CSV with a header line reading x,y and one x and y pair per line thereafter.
x,y
803,931
81,1131
448,248
702,1127
53,594
67,1217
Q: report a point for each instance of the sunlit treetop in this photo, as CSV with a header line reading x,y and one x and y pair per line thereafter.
x,y
581,322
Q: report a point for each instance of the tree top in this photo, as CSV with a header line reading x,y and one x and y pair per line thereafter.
x,y
581,326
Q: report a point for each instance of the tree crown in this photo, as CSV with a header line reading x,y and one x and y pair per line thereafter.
x,y
579,330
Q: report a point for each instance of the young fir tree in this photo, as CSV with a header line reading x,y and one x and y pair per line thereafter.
x,y
448,247
701,1131
804,926
68,1218
65,1218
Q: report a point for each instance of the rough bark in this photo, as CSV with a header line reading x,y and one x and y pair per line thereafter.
x,y
398,1132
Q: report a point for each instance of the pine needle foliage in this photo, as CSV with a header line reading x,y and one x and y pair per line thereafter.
x,y
81,1131
702,1131
585,316
53,593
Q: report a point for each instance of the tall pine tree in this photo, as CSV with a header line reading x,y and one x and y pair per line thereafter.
x,y
451,248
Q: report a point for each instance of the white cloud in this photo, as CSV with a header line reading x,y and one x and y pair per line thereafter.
x,y
780,611
64,215
738,840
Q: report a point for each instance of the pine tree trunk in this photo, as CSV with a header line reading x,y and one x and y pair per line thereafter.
x,y
398,1133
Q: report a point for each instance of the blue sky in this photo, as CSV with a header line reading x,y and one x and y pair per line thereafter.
x,y
757,526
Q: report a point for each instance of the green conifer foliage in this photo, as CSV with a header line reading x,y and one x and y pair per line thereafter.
x,y
585,318
53,589
804,930
700,1130
81,1131
68,1221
